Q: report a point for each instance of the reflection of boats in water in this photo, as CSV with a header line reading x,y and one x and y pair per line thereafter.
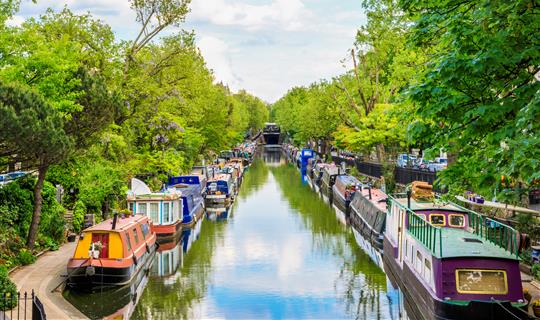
x,y
218,213
189,236
168,259
113,303
273,157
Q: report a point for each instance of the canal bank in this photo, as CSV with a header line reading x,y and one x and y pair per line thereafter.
x,y
44,276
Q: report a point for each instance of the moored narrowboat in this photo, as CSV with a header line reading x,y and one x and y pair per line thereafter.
x,y
192,204
343,192
329,174
316,176
453,262
112,252
195,178
367,218
220,189
163,208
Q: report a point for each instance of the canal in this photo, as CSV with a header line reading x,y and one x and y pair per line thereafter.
x,y
278,252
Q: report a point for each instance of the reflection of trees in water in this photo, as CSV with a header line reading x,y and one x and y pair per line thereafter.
x,y
360,283
255,177
175,300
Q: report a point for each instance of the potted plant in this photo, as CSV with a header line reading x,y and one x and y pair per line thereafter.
x,y
95,249
527,295
536,307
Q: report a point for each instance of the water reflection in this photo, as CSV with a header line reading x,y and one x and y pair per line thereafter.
x,y
112,303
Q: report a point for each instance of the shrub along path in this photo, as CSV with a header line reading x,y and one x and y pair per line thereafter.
x,y
43,276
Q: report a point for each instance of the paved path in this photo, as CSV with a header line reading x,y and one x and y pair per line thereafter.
x,y
43,276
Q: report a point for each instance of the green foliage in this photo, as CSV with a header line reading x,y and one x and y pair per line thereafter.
x,y
535,271
79,210
478,98
25,257
8,288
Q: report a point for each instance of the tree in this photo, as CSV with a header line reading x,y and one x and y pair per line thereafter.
x,y
32,131
479,98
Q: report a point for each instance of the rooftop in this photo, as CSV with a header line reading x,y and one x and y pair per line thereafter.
x,y
121,223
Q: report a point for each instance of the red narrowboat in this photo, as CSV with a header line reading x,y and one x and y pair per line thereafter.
x,y
112,252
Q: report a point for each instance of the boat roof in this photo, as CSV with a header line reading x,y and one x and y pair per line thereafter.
x,y
460,243
220,176
167,195
121,224
417,205
346,179
377,197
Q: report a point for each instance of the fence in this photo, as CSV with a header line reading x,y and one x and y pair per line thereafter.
x,y
23,306
402,175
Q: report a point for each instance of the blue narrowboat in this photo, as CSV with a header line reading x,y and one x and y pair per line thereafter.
x,y
192,203
193,179
220,188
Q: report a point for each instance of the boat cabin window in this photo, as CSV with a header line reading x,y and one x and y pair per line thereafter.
x,y
437,219
418,264
136,236
472,281
145,230
131,206
128,241
167,217
154,212
427,270
456,220
142,208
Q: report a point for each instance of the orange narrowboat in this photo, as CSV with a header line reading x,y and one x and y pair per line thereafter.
x,y
112,252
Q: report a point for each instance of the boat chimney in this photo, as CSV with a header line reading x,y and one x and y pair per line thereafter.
x,y
409,199
115,218
369,189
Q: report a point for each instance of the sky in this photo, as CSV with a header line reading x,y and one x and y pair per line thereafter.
x,y
263,46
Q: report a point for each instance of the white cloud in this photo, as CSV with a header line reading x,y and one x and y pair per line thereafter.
x,y
217,56
283,14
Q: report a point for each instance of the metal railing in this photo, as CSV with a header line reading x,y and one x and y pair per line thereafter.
x,y
486,228
402,175
21,306
493,231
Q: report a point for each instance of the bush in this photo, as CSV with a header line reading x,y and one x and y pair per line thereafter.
x,y
79,210
7,288
25,257
535,270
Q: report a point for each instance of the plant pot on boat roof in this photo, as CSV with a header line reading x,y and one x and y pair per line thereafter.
x,y
536,307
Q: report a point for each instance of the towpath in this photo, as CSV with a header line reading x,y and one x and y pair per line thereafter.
x,y
43,276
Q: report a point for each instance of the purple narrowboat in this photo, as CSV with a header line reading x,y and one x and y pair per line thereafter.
x,y
453,262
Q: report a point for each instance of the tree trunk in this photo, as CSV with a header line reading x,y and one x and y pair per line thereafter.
x,y
381,158
38,201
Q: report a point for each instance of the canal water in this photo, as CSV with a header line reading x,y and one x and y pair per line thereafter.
x,y
278,252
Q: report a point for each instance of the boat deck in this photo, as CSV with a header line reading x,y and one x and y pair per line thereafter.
x,y
460,243
378,198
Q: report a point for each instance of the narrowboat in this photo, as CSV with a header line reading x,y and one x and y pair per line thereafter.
x,y
192,179
112,252
316,176
367,218
163,208
226,155
220,188
192,205
329,174
343,192
452,262
271,134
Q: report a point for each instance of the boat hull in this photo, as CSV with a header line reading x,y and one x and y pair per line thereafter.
x,y
426,306
169,231
99,273
196,215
